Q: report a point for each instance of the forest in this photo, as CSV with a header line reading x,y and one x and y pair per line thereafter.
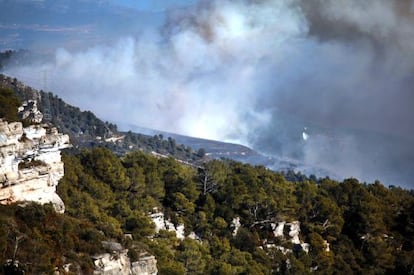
x,y
350,226
369,227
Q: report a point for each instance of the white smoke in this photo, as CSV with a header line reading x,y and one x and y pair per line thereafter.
x,y
199,79
256,72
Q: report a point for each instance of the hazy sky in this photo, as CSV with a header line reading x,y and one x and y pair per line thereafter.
x,y
253,71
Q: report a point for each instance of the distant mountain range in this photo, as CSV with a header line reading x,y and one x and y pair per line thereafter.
x,y
48,24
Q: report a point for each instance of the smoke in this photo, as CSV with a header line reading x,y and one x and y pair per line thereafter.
x,y
258,72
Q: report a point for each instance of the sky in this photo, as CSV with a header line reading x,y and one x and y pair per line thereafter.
x,y
257,72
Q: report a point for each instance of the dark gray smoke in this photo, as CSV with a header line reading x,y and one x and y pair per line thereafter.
x,y
258,72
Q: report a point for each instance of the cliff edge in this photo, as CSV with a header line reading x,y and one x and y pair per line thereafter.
x,y
30,163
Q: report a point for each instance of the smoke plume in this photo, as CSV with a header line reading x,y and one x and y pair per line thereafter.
x,y
258,72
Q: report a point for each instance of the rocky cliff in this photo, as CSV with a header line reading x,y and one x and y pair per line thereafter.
x,y
117,262
30,163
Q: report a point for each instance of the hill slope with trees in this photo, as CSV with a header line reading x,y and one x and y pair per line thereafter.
x,y
369,227
87,131
351,227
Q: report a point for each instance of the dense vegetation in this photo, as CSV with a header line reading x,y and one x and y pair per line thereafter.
x,y
82,126
9,103
42,239
370,228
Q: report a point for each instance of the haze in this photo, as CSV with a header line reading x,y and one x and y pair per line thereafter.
x,y
254,72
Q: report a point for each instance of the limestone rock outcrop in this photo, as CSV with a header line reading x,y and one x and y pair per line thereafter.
x,y
293,235
30,163
112,264
146,265
161,223
117,262
29,111
236,225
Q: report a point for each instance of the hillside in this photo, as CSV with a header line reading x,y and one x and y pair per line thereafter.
x,y
214,149
248,220
86,130
219,217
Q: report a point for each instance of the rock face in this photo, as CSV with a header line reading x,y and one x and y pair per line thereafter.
x,y
146,265
118,263
293,235
29,111
164,224
112,264
30,163
278,229
236,225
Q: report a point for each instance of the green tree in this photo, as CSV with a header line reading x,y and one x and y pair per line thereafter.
x,y
9,104
106,167
194,256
